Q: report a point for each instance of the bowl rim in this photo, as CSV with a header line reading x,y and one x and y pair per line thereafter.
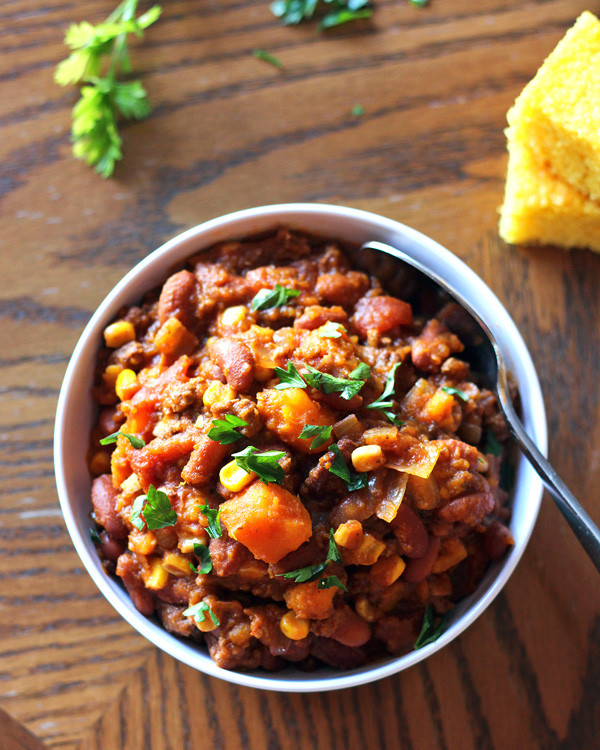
x,y
316,218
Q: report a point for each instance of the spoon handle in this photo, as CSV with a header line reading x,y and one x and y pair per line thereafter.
x,y
585,529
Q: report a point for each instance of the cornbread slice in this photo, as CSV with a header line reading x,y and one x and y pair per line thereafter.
x,y
540,209
558,113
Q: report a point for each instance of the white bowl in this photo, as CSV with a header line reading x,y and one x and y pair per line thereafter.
x,y
76,412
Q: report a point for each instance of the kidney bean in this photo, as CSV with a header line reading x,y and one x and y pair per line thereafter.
x,y
351,630
418,569
469,508
142,598
497,538
342,288
410,532
177,298
204,460
110,547
381,314
235,360
104,498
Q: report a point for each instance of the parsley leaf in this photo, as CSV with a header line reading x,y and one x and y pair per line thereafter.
x,y
333,553
331,330
346,387
292,12
199,611
262,54
306,574
329,581
320,432
430,632
455,392
385,403
213,529
157,512
98,56
95,536
313,572
202,553
136,510
224,431
265,465
354,480
289,378
266,299
136,442
492,444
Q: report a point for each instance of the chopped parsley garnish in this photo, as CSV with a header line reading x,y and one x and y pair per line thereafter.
x,y
420,3
95,536
98,57
313,572
155,508
430,632
136,442
384,403
202,553
455,392
289,378
358,110
320,432
267,57
224,430
354,480
492,445
292,12
331,330
265,465
199,612
267,299
213,529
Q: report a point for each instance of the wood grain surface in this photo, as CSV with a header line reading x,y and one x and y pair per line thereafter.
x,y
229,131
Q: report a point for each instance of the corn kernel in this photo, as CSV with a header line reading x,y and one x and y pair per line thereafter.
x,y
234,478
142,543
367,457
176,565
387,570
217,392
367,554
452,552
126,385
235,317
156,578
349,534
130,485
119,333
109,376
100,463
366,610
293,627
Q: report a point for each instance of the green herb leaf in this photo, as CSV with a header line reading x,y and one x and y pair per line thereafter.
x,y
202,553
320,432
354,480
346,387
344,15
385,403
357,110
95,536
224,430
430,632
157,510
262,54
199,611
213,529
329,581
333,553
136,442
307,574
267,299
331,330
492,445
455,392
292,12
420,3
289,378
265,465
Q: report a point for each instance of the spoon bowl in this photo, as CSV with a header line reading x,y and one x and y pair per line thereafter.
x,y
412,281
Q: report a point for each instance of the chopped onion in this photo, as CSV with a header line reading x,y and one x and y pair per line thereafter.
x,y
418,458
395,487
380,435
348,427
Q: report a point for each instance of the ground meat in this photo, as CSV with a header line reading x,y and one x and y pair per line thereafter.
x,y
305,478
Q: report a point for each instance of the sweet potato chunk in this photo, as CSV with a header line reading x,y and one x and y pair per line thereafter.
x,y
286,412
307,600
268,520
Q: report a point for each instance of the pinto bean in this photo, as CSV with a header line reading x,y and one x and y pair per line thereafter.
x,y
418,569
410,532
104,498
235,360
469,509
352,630
177,298
381,314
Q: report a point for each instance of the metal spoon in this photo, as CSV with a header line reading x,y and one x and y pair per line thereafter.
x,y
415,283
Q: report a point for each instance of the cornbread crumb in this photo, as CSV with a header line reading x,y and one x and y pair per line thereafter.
x,y
540,209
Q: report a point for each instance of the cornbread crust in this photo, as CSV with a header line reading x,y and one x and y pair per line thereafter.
x,y
557,115
540,209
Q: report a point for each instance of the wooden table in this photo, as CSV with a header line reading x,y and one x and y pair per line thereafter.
x,y
230,131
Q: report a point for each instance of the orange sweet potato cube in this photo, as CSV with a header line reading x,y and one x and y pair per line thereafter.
x,y
268,520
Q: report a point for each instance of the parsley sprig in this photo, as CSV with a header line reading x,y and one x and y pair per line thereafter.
x,y
385,403
430,631
339,467
455,392
265,465
136,442
154,508
323,381
99,56
292,12
224,430
213,529
199,612
320,432
202,553
314,572
267,299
